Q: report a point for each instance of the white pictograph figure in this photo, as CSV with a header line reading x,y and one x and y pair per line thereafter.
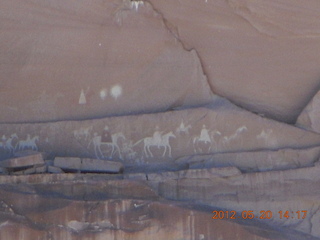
x,y
183,129
240,130
157,135
98,143
114,144
128,151
29,143
265,134
8,144
213,136
204,135
83,132
215,132
136,3
203,140
103,93
268,137
163,141
116,91
82,98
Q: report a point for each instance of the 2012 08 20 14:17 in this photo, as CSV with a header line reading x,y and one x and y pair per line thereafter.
x,y
263,214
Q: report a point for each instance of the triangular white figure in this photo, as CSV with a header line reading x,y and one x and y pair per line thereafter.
x,y
82,99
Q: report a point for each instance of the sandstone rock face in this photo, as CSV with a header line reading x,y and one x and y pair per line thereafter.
x,y
111,126
102,58
20,162
161,139
256,161
89,207
309,117
87,165
121,219
258,54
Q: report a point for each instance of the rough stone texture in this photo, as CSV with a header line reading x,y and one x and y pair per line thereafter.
x,y
95,165
199,173
256,161
68,163
255,53
3,170
20,162
52,169
98,57
309,117
88,165
259,54
120,219
160,139
34,170
25,153
89,206
292,190
135,82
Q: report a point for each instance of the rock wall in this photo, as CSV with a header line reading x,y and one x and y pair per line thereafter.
x,y
174,205
163,138
201,107
92,59
261,55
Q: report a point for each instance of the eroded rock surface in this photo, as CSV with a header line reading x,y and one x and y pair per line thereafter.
x,y
159,140
258,54
309,117
87,165
129,88
256,161
92,59
89,206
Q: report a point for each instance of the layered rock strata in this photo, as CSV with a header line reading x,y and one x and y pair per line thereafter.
x,y
164,138
139,206
129,88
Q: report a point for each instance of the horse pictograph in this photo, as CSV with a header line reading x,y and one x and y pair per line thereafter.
x,y
98,143
29,143
157,141
240,130
6,144
114,144
203,141
183,129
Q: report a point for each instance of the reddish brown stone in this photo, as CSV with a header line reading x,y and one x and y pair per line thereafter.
x,y
117,61
52,169
259,54
88,165
21,162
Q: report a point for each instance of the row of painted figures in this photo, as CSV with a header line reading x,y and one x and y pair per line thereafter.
x,y
12,143
111,143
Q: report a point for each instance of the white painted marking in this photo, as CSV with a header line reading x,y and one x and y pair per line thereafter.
x,y
29,143
103,93
82,98
116,91
136,4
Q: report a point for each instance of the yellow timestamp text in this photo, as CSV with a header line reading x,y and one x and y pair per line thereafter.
x,y
263,214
